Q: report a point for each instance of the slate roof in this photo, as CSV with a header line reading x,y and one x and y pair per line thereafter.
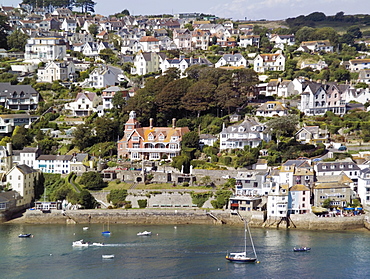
x,y
25,169
7,90
55,157
337,166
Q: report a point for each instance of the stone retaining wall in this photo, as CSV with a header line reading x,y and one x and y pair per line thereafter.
x,y
190,216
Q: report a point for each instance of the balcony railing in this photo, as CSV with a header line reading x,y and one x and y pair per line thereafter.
x,y
151,150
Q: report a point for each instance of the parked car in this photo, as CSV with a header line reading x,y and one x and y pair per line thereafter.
x,y
342,148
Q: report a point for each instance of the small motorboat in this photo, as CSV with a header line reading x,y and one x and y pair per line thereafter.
x,y
144,233
108,256
85,228
24,235
106,233
301,249
80,243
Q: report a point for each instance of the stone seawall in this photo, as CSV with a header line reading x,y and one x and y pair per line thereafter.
x,y
190,216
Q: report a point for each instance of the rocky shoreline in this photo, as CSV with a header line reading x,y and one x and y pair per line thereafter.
x,y
191,216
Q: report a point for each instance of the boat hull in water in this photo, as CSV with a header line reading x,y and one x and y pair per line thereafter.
x,y
240,258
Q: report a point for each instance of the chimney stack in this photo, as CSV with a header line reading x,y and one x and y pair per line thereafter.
x,y
151,123
174,123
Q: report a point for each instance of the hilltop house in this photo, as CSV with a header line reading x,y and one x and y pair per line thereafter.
x,y
149,44
272,108
45,48
56,70
147,62
269,62
150,143
85,104
316,46
249,40
19,97
8,122
235,60
104,76
248,133
312,135
183,63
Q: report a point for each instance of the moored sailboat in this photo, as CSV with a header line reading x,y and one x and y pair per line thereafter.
x,y
242,257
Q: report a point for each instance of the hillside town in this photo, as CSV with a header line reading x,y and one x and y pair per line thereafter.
x,y
277,122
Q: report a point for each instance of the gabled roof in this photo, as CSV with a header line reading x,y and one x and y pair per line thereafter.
x,y
25,169
269,57
149,39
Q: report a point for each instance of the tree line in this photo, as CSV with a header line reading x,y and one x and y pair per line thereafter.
x,y
51,5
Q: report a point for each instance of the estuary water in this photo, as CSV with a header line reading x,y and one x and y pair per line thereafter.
x,y
181,251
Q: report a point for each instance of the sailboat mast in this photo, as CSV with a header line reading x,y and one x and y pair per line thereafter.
x,y
250,236
245,237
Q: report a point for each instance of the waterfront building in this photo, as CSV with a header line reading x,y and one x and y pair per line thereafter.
x,y
277,203
22,178
299,199
334,187
346,166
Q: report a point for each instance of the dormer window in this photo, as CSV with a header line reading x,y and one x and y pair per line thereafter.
x,y
161,137
174,138
151,137
135,138
350,166
324,167
332,167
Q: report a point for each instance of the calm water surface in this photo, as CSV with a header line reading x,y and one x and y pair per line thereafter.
x,y
182,251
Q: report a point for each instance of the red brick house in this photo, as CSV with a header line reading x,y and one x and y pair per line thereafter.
x,y
150,143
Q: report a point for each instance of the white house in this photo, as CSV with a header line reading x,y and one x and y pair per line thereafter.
x,y
147,62
183,63
271,108
356,65
249,40
104,76
56,70
18,97
54,163
182,38
299,199
45,48
236,60
277,202
8,122
364,186
248,133
69,25
85,104
269,62
280,41
149,44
